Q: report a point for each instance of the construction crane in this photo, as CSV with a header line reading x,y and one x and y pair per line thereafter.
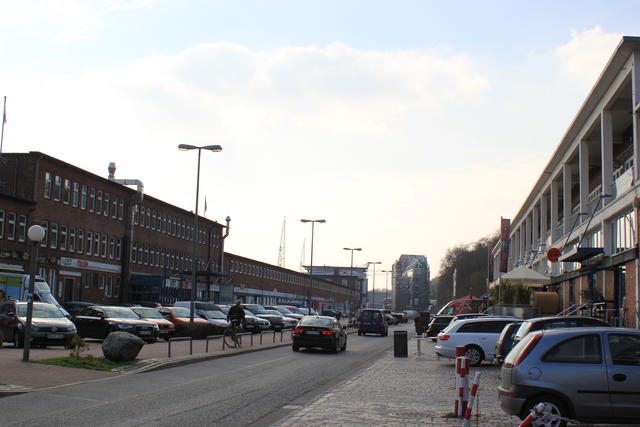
x,y
281,251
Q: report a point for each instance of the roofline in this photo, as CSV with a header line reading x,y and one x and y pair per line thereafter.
x,y
620,55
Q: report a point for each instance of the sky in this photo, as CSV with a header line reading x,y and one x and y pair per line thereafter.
x,y
409,126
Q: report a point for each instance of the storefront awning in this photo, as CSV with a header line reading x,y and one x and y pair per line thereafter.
x,y
580,254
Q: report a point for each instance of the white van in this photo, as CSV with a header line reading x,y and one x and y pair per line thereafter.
x,y
16,286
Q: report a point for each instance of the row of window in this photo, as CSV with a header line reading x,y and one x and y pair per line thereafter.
x,y
109,283
151,219
174,260
59,236
16,226
267,273
72,193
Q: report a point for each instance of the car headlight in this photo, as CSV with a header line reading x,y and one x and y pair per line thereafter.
x,y
156,327
123,326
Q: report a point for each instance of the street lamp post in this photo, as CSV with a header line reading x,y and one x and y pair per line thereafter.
x,y
351,272
187,147
35,234
373,295
313,223
386,286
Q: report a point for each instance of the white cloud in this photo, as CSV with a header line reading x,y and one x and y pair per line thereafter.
x,y
586,54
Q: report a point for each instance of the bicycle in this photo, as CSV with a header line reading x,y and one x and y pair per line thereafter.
x,y
232,337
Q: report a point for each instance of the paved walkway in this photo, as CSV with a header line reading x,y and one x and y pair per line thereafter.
x,y
404,392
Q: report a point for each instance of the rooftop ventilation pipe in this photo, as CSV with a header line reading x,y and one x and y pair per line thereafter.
x,y
112,177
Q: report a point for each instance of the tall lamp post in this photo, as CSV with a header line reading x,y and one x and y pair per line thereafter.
x,y
351,273
313,223
187,147
373,295
35,235
386,286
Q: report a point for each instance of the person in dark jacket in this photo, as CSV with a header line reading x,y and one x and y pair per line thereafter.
x,y
236,313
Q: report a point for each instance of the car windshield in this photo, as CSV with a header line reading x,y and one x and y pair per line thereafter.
x,y
225,309
214,314
122,313
275,312
284,310
47,311
316,321
295,311
257,309
148,313
180,312
247,313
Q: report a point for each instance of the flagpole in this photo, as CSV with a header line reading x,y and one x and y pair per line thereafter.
x,y
4,120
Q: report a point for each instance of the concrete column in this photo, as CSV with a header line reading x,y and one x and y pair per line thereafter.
x,y
544,207
635,102
606,144
584,177
527,230
553,206
607,237
535,220
566,193
523,240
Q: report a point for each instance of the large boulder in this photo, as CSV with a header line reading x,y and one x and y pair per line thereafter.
x,y
121,346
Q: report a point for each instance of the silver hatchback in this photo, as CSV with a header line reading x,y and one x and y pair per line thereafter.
x,y
585,374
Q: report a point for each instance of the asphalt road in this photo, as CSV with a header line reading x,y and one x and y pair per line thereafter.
x,y
253,389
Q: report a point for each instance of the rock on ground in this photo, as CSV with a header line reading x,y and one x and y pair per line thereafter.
x,y
121,346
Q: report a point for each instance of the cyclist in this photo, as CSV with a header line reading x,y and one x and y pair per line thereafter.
x,y
235,316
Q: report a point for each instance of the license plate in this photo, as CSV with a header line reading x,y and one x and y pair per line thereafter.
x,y
55,336
145,332
312,332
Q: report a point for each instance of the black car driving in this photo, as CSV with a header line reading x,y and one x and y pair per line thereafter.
x,y
320,331
99,321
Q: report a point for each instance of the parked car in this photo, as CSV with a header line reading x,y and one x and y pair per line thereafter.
x,y
555,322
591,375
75,307
285,311
401,317
289,322
165,327
98,321
372,321
505,341
307,311
391,320
468,316
277,324
252,323
179,315
49,325
320,331
478,337
437,324
214,317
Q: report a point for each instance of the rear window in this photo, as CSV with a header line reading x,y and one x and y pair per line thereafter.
x,y
514,354
316,321
487,327
369,316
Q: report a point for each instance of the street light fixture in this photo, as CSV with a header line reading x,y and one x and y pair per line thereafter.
x,y
351,273
373,297
313,223
187,147
35,234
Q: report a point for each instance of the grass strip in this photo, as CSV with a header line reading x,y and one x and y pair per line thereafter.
x,y
88,362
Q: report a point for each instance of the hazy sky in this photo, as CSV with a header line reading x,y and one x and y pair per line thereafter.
x,y
410,126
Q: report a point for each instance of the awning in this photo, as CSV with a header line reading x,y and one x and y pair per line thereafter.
x,y
580,254
526,275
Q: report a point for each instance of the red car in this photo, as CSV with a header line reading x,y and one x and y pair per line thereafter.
x,y
179,315
153,315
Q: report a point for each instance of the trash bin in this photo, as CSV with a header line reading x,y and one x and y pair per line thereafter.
x,y
418,326
424,317
400,345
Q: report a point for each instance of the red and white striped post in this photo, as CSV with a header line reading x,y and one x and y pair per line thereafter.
x,y
535,413
462,382
472,399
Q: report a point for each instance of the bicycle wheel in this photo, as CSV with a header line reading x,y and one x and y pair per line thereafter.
x,y
230,339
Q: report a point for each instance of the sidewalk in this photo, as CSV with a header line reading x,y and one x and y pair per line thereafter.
x,y
18,376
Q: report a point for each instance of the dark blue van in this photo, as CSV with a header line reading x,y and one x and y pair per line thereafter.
x,y
372,321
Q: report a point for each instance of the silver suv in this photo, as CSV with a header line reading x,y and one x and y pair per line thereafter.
x,y
587,374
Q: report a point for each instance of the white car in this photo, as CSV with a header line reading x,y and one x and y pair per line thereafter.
x,y
289,322
478,336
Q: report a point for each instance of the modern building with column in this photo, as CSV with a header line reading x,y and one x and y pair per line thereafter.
x,y
584,205
410,281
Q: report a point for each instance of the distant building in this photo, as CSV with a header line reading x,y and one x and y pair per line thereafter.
x,y
353,281
410,283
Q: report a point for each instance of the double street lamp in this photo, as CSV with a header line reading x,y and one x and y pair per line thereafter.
x,y
386,286
313,223
187,147
373,298
351,274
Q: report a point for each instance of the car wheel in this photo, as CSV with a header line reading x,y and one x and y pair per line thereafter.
x,y
336,347
295,348
554,410
17,340
475,355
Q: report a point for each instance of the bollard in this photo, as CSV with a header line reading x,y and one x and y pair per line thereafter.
x,y
462,386
472,399
281,332
274,336
535,413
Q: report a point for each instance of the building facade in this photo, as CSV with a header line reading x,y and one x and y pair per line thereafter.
x,y
351,280
410,283
578,224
